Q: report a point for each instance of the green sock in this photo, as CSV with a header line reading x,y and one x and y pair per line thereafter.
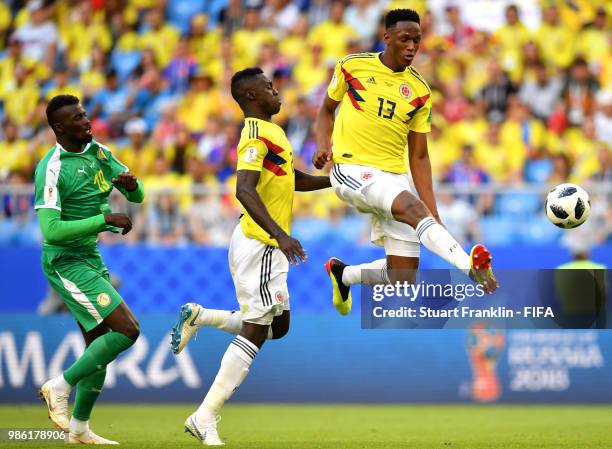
x,y
88,390
98,354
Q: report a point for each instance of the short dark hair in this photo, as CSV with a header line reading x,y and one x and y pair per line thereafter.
x,y
401,15
57,102
239,79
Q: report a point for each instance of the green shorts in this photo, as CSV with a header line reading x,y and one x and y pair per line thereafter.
x,y
83,283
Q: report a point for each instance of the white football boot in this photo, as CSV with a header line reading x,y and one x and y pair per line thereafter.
x,y
206,433
88,437
57,405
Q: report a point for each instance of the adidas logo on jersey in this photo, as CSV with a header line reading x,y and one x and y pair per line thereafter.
x,y
371,80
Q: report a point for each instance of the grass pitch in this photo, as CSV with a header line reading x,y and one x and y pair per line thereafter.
x,y
346,426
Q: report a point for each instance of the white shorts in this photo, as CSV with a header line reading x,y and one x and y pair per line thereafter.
x,y
259,272
372,191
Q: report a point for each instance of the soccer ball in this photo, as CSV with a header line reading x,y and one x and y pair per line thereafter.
x,y
568,206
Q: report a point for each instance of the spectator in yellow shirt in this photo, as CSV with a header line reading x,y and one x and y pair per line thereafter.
x,y
248,40
161,37
521,132
62,84
311,70
511,38
83,33
557,42
200,100
203,42
333,34
14,155
594,41
294,46
20,96
139,154
12,57
502,163
94,78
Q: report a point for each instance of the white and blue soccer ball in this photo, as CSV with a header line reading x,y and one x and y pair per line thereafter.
x,y
568,206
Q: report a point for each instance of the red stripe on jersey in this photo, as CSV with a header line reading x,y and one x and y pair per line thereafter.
x,y
276,169
419,102
277,149
354,86
350,79
354,101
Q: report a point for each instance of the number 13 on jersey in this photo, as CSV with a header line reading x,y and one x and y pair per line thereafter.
x,y
388,111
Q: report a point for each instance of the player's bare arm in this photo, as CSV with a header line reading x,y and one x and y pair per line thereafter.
x,y
306,183
420,167
246,192
323,125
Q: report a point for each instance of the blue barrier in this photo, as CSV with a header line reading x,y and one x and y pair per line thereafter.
x,y
325,358
159,279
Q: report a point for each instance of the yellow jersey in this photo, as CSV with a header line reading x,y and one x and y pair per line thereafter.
x,y
264,147
379,107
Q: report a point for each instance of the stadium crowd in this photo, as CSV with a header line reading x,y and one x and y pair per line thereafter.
x,y
513,105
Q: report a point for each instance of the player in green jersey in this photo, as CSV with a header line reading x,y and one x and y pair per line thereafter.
x,y
73,182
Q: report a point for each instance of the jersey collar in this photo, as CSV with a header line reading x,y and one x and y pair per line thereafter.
x,y
58,145
384,67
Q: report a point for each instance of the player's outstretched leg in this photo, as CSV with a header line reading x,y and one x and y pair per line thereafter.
x,y
410,210
193,316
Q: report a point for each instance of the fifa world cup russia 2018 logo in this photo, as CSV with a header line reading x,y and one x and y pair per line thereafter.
x,y
484,346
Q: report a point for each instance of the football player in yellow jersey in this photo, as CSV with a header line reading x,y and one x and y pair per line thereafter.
x,y
260,250
384,104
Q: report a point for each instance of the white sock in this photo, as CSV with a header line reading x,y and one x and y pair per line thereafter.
x,y
60,384
366,273
437,239
234,368
226,320
77,426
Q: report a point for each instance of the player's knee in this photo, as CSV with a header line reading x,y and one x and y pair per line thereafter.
x,y
280,331
409,209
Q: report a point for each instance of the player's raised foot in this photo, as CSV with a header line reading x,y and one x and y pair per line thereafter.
x,y
206,432
88,437
481,271
341,292
186,326
57,405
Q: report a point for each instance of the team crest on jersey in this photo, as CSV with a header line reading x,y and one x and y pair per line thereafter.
x,y
103,299
102,155
366,175
405,91
279,296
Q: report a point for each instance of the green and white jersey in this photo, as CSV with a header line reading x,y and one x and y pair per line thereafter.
x,y
76,184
